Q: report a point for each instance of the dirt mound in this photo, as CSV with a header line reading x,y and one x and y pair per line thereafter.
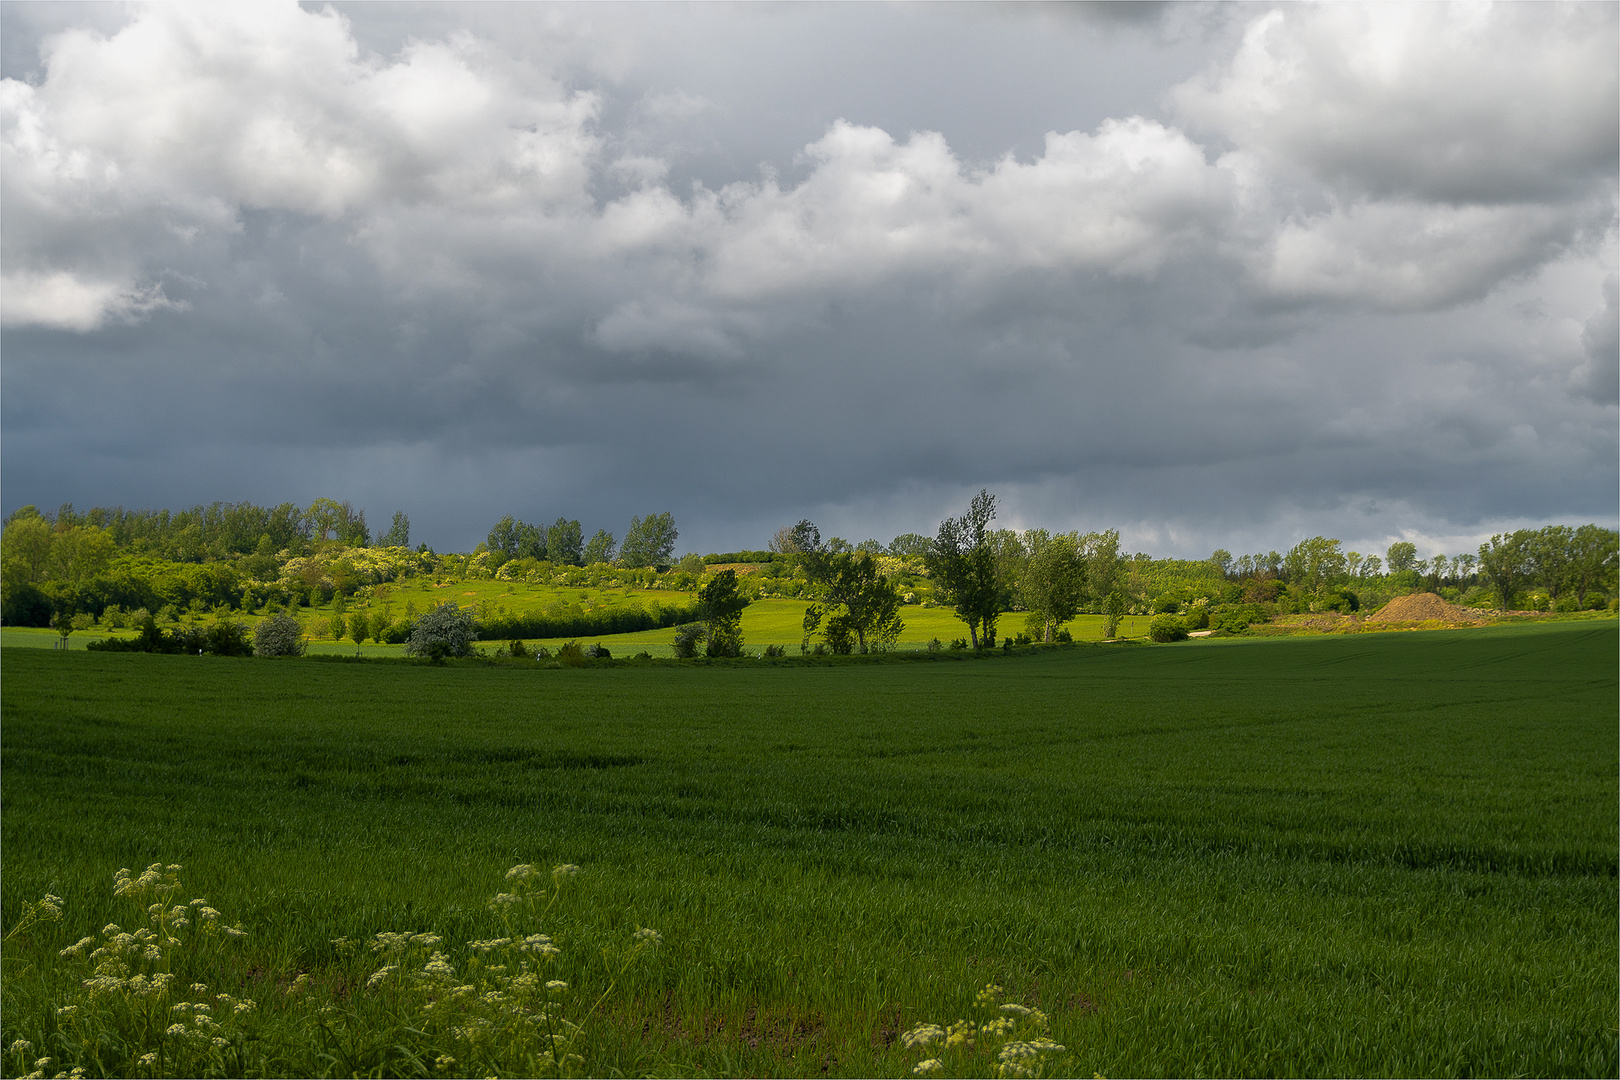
x,y
1421,607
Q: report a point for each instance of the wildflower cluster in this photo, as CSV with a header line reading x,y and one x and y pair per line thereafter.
x,y
127,985
502,1004
1010,1038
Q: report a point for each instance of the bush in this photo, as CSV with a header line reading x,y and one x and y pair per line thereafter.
x,y
278,635
518,650
1064,636
688,638
775,650
1197,617
935,645
598,652
226,637
1167,628
444,632
569,654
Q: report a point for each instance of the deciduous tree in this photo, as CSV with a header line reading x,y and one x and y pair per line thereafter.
x,y
1507,560
963,565
1054,580
650,541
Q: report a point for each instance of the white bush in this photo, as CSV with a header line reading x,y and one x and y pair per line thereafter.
x,y
445,631
278,635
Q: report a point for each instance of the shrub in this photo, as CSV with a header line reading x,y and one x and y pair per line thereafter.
x,y
444,632
278,635
1064,635
934,645
775,650
959,643
598,652
688,638
517,649
570,654
227,637
1167,628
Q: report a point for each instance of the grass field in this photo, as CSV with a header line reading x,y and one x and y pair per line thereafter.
x,y
765,622
1383,854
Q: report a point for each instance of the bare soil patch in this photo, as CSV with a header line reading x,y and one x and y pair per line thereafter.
x,y
1423,607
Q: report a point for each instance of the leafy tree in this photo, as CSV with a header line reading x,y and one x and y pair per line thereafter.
x,y
399,533
278,635
870,547
564,543
910,546
1552,551
1113,609
359,627
600,549
1103,564
1054,580
1508,561
963,564
1314,564
1594,554
324,518
859,604
650,541
352,530
1221,561
720,608
442,632
782,541
1372,566
25,546
1401,556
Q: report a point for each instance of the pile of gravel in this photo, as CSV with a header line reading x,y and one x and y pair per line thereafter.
x,y
1422,607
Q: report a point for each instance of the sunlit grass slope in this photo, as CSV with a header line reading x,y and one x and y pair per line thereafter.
x,y
1375,854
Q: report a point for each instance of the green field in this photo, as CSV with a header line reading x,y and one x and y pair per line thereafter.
x,y
765,622
1381,854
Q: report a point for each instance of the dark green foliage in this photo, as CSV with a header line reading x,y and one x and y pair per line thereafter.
x,y
225,637
600,549
565,543
650,541
963,562
720,609
22,603
688,638
399,533
1167,628
740,557
514,539
860,606
599,622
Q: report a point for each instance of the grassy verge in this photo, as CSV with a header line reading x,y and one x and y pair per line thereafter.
x,y
1388,854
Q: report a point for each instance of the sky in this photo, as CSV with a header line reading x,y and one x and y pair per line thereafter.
x,y
1216,276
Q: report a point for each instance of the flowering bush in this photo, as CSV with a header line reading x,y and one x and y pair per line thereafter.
x,y
278,635
443,632
1006,1039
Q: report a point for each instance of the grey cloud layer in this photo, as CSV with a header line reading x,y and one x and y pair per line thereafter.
x,y
1363,260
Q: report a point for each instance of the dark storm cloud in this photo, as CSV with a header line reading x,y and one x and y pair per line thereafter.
x,y
1230,285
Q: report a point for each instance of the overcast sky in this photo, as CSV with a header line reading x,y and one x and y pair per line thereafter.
x,y
1222,276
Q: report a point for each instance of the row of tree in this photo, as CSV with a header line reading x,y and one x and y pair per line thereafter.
x,y
221,530
650,542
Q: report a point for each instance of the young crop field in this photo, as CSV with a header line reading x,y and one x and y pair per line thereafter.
x,y
1373,854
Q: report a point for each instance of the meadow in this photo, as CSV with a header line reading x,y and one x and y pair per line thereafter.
x,y
1380,854
765,622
